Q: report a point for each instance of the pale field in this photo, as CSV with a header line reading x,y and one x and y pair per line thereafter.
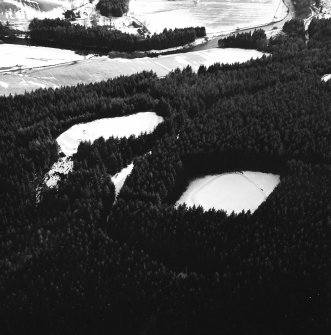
x,y
14,56
231,192
217,16
103,68
124,126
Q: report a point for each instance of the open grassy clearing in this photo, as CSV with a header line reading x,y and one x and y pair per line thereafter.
x,y
103,68
231,192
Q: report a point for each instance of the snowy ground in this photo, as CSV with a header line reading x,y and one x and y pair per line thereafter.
x,y
16,57
325,78
236,191
103,68
325,9
119,178
217,16
124,126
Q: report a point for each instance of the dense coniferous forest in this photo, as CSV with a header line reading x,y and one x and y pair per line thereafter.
x,y
81,262
293,37
113,7
295,27
302,7
249,40
63,33
6,32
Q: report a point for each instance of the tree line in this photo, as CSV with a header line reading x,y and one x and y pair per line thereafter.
x,y
112,7
63,33
256,40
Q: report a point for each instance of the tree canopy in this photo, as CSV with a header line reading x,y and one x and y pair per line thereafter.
x,y
79,261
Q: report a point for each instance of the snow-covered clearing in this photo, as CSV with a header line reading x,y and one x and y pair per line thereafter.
x,y
20,57
120,177
123,126
216,16
103,68
235,192
326,77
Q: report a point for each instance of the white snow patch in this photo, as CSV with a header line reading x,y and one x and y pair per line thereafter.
x,y
120,177
123,126
3,84
326,77
325,9
235,192
63,166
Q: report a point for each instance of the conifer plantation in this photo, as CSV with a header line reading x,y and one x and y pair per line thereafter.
x,y
80,261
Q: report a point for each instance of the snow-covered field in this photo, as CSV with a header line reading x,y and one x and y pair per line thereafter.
x,y
19,57
103,68
123,126
325,78
235,192
216,16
